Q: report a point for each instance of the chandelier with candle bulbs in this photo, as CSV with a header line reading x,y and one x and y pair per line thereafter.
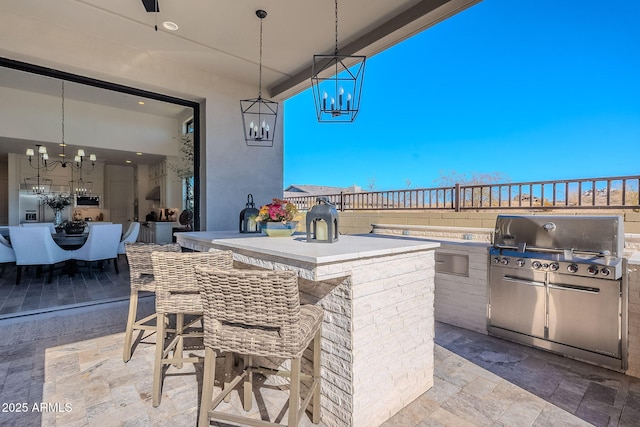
x,y
44,163
259,115
337,83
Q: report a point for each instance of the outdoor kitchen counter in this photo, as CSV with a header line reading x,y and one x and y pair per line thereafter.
x,y
633,368
377,293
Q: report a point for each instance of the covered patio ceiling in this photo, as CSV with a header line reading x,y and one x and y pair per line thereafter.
x,y
222,36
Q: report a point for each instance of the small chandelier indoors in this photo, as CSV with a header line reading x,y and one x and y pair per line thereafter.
x,y
259,115
37,184
44,163
337,83
80,187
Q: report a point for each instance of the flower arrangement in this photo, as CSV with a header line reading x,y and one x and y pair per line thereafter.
x,y
277,211
57,202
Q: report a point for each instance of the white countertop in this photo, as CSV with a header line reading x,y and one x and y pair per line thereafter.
x,y
348,247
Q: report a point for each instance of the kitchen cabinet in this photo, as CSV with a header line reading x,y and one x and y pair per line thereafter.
x,y
157,232
165,188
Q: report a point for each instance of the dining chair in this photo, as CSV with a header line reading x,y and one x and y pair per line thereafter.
x,y
141,278
177,292
7,254
97,224
52,228
258,313
35,246
101,245
130,236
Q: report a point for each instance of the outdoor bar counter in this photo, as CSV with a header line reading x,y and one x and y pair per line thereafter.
x,y
378,331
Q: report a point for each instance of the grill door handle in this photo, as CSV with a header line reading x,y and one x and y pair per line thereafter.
x,y
522,281
575,288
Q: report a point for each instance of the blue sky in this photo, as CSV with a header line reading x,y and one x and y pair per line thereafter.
x,y
530,89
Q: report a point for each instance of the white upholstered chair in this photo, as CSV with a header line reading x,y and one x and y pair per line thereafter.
x,y
101,245
35,246
52,228
7,254
130,236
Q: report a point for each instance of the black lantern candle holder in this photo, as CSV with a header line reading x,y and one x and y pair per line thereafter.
x,y
248,217
322,222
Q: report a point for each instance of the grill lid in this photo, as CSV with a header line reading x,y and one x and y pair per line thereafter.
x,y
594,235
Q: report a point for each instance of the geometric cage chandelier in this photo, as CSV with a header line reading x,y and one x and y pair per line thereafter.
x,y
337,84
259,115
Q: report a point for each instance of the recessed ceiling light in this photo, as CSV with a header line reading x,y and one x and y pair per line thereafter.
x,y
127,161
138,154
171,26
141,102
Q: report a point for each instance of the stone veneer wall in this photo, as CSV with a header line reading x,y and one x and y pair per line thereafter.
x,y
393,301
462,301
634,316
373,307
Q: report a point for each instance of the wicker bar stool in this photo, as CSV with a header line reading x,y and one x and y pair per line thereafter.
x,y
177,292
257,313
141,277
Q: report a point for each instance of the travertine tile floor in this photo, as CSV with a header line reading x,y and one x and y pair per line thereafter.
x,y
479,381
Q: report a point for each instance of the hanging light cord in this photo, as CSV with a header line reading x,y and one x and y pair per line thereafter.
x,y
63,143
336,52
260,67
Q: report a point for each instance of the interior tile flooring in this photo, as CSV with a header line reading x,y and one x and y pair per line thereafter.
x,y
34,294
72,361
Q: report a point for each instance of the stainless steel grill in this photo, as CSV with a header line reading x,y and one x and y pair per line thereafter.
x,y
558,283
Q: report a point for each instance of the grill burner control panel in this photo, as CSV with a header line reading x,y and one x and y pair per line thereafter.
x,y
580,268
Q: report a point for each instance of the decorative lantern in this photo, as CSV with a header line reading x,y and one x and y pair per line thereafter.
x,y
322,222
248,223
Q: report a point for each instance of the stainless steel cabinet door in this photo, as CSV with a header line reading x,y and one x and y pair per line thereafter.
x,y
585,313
517,300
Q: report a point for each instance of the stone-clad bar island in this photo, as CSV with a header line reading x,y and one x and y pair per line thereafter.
x,y
378,331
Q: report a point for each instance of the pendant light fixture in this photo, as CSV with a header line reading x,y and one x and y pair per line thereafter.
x,y
259,115
337,83
41,184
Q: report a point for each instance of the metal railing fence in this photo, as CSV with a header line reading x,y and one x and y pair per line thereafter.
x,y
591,193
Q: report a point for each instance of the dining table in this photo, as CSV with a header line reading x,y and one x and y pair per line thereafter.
x,y
70,241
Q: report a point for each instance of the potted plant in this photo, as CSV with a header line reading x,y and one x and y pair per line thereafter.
x,y
277,218
57,202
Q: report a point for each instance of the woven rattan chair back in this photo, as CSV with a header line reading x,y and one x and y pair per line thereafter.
x,y
177,290
260,311
140,266
141,278
257,313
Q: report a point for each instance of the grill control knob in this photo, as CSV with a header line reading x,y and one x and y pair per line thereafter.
x,y
496,260
520,262
536,265
554,266
504,261
572,268
592,269
605,271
